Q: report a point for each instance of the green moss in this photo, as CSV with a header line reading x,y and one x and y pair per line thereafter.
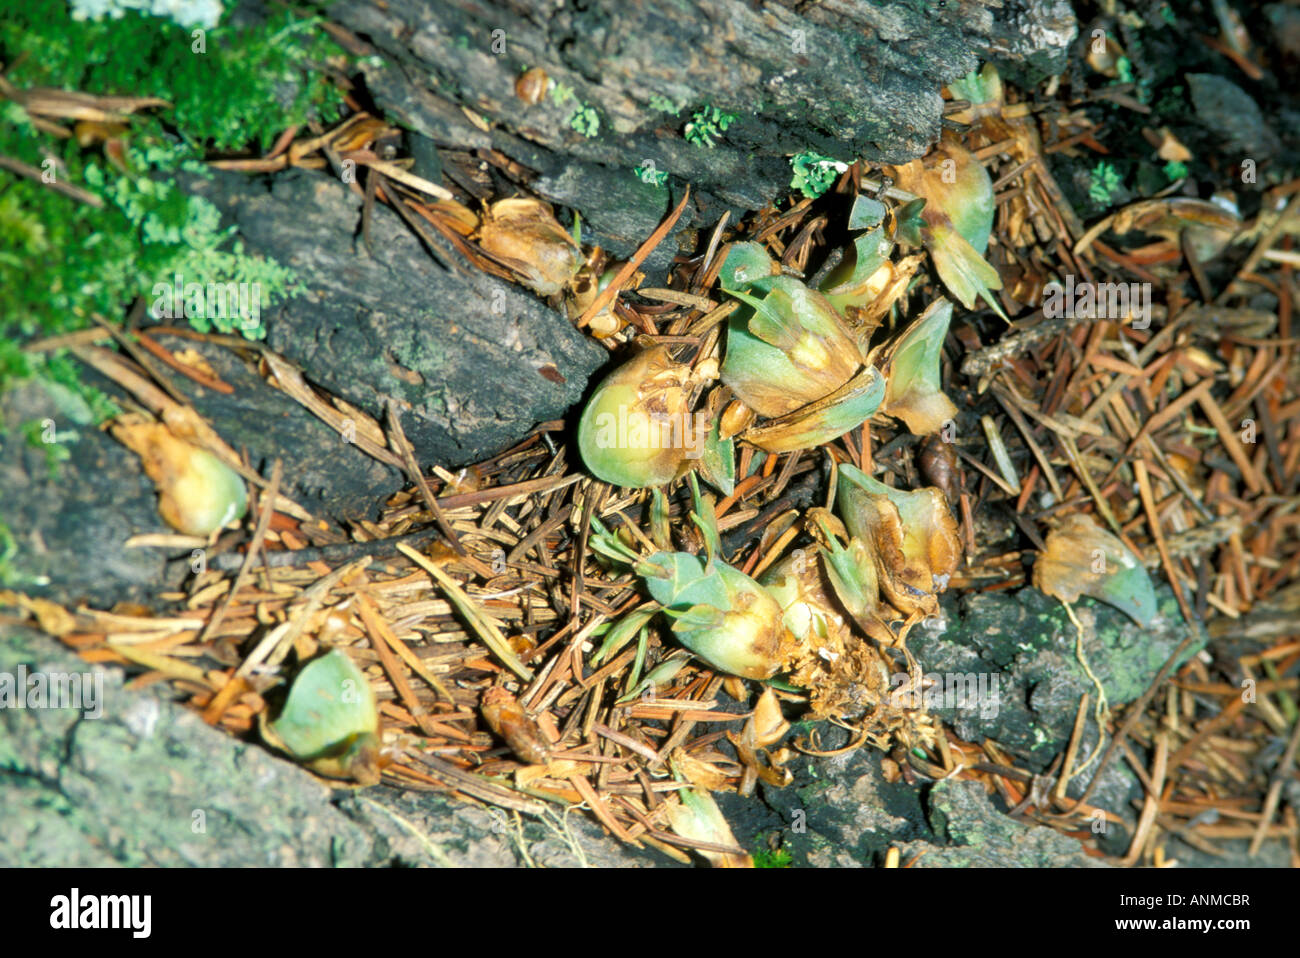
x,y
652,176
36,431
247,85
9,578
562,93
64,261
765,857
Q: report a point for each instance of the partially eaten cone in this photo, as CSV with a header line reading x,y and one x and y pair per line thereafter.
x,y
913,536
1084,559
525,235
197,492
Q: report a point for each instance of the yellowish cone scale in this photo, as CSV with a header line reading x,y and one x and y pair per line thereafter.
x,y
1082,558
698,817
793,358
824,420
735,418
532,85
329,721
910,363
958,215
807,353
746,636
808,609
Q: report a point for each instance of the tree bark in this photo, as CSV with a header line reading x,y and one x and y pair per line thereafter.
x,y
844,78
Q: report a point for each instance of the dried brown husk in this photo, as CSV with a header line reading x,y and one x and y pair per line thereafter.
x,y
699,772
886,286
910,363
590,283
525,236
1105,60
1206,226
770,725
765,726
507,718
843,673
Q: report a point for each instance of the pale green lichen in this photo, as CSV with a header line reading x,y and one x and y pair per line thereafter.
x,y
586,121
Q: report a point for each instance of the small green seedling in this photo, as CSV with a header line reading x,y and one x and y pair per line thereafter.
x,y
706,124
814,173
1105,181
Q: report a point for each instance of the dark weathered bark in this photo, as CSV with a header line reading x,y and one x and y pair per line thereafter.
x,y
471,362
845,78
1023,643
72,505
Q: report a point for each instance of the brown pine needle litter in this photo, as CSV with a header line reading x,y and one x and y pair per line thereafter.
x,y
474,605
